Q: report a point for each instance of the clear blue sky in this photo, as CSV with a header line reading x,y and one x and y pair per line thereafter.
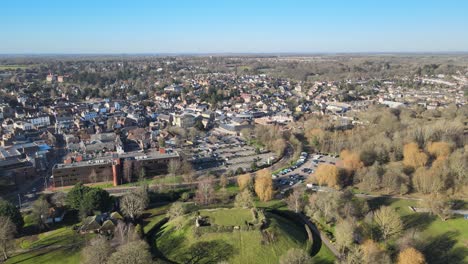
x,y
205,26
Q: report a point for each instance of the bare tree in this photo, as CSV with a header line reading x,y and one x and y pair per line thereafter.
x,y
388,221
244,199
295,256
134,203
295,200
98,250
7,233
93,177
205,191
40,212
136,252
223,181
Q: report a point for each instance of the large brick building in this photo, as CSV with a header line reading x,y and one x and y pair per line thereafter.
x,y
119,169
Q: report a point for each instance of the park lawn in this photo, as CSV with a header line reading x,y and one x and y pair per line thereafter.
x,y
167,180
155,215
64,255
228,217
62,245
452,234
324,256
246,246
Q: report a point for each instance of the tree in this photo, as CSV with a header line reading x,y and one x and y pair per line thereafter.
x,y
413,156
76,195
128,170
326,174
177,209
142,174
411,256
344,234
244,181
368,157
187,171
438,206
136,252
295,200
244,199
175,213
58,199
428,180
134,203
264,185
10,211
205,191
98,250
96,199
7,233
40,212
351,160
372,253
388,221
93,177
441,150
223,181
295,256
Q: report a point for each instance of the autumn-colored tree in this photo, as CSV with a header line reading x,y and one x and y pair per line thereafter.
x,y
373,253
244,181
326,174
411,256
351,160
439,149
264,185
413,156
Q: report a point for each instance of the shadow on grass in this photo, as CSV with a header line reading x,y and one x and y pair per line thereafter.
x,y
440,249
207,252
375,203
419,221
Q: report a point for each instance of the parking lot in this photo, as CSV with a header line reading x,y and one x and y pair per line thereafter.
x,y
299,173
227,153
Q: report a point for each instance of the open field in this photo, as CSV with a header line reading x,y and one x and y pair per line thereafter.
x,y
62,245
446,241
238,246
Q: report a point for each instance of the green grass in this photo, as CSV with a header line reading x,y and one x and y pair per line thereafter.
x,y
325,256
167,180
442,237
245,246
228,217
154,216
62,245
68,255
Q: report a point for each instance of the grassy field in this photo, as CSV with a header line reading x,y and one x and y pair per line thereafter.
x,y
62,245
239,246
228,217
446,241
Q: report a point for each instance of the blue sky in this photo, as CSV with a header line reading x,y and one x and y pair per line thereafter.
x,y
218,26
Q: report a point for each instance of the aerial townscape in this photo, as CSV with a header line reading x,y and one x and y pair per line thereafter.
x,y
236,152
